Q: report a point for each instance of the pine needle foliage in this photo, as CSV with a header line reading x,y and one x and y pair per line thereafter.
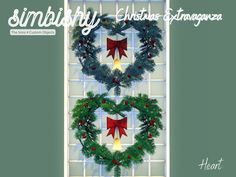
x,y
150,36
87,133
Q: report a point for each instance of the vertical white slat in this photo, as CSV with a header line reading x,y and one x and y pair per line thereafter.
x,y
117,97
100,85
167,34
133,86
149,94
117,6
84,87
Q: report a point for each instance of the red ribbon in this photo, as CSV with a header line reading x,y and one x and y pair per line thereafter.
x,y
120,45
120,124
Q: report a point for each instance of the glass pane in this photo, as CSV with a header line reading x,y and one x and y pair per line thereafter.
x,y
76,169
75,152
159,153
92,169
141,170
157,88
157,169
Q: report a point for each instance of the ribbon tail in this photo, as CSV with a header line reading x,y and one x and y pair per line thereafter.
x,y
122,132
122,52
111,132
111,52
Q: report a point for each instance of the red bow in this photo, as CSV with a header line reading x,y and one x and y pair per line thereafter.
x,y
113,124
120,45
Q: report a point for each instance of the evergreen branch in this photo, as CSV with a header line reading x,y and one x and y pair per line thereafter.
x,y
81,62
81,142
85,116
150,36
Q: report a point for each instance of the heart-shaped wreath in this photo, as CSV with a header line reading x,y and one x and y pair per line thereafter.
x,y
150,36
87,133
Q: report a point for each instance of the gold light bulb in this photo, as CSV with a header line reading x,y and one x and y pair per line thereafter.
x,y
117,64
117,145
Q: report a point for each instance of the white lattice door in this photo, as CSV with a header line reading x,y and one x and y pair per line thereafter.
x,y
155,85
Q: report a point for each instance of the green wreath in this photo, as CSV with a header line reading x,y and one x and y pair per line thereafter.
x,y
150,36
87,133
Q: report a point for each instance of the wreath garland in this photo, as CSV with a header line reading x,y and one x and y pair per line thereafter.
x,y
87,133
150,36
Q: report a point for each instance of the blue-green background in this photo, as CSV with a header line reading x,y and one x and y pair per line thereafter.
x,y
202,94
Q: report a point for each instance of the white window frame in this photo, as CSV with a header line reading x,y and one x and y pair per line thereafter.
x,y
66,92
